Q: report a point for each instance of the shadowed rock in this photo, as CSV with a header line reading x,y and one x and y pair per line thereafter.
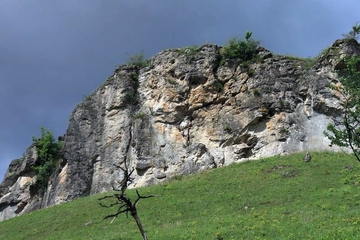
x,y
307,157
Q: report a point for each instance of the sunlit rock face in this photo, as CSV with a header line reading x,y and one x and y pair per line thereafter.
x,y
188,111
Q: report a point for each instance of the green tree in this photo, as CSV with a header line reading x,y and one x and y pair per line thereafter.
x,y
48,150
354,33
248,35
346,132
138,60
239,48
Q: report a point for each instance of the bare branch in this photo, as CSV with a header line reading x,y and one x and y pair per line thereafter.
x,y
115,214
139,197
126,204
105,197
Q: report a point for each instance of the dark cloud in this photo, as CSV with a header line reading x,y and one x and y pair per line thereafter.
x,y
53,53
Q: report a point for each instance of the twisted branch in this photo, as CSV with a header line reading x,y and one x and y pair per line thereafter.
x,y
125,204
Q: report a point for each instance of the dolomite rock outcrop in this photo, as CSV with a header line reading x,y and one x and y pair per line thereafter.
x,y
186,112
16,193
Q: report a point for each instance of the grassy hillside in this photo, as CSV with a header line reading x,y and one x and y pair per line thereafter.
x,y
273,198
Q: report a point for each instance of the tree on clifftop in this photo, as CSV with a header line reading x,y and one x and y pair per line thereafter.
x,y
354,33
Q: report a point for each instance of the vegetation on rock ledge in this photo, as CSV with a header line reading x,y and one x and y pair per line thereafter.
x,y
138,60
48,150
346,131
238,48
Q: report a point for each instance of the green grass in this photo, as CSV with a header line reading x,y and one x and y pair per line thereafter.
x,y
273,198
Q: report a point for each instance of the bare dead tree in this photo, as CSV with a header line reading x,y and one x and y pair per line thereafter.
x,y
124,203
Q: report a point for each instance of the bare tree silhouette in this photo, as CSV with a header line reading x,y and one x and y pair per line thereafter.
x,y
124,203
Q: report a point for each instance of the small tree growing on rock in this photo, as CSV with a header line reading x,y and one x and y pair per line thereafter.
x,y
354,33
48,149
138,60
123,202
346,132
238,48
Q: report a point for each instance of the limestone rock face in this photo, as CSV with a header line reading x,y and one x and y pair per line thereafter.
x,y
16,195
188,111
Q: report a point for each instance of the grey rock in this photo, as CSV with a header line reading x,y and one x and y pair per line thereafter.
x,y
307,157
182,114
160,175
143,164
16,194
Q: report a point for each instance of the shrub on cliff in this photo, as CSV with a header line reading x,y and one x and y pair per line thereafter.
x,y
239,48
138,60
354,33
346,132
48,150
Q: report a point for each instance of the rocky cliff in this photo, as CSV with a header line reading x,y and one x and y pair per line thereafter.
x,y
188,111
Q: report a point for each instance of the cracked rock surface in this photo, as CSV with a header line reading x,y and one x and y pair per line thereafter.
x,y
186,112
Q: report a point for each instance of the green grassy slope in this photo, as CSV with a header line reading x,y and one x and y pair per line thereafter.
x,y
273,198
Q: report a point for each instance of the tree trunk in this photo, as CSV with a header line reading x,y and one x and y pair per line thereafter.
x,y
138,222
